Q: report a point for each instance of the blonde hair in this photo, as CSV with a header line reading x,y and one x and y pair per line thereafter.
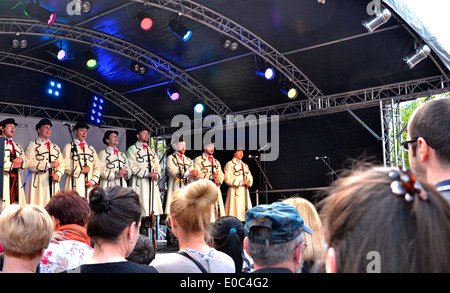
x,y
191,205
25,230
315,243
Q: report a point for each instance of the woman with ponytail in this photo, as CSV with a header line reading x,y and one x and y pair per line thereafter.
x,y
113,227
227,235
190,215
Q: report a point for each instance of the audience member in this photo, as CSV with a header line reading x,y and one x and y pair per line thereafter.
x,y
143,252
382,220
25,232
69,212
190,214
275,238
315,243
428,140
113,227
227,235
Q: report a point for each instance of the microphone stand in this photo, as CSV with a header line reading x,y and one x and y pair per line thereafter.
x,y
267,182
331,169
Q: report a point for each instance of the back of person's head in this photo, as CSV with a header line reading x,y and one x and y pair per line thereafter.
x,y
378,211
315,248
25,230
274,232
113,209
143,252
227,235
69,208
432,122
191,205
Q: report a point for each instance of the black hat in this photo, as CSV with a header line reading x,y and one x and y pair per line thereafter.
x,y
43,122
141,128
8,121
107,134
81,125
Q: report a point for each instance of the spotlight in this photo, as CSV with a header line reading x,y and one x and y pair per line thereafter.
x,y
54,88
86,6
414,58
176,27
96,112
381,18
199,108
138,68
90,60
173,91
144,20
268,73
15,44
291,92
40,13
229,44
57,52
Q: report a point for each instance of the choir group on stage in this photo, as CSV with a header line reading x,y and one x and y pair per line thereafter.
x,y
138,169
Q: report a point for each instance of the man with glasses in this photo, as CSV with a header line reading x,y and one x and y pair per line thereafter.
x,y
428,143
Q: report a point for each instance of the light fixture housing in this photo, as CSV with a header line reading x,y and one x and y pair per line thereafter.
x,y
57,52
138,68
40,13
229,44
176,27
420,54
173,90
144,20
380,18
90,60
86,7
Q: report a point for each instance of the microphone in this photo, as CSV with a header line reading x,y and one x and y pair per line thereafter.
x,y
260,149
321,158
67,124
253,157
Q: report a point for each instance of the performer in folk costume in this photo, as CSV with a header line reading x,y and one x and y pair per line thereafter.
x,y
180,170
14,161
45,166
238,178
82,165
115,170
145,172
209,168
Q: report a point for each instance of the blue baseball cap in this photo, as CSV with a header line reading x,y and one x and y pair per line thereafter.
x,y
282,220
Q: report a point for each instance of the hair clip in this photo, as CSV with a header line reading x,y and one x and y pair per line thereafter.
x,y
405,184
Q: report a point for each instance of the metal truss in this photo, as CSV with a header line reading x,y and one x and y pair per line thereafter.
x,y
407,90
228,27
63,115
391,126
119,46
365,98
80,80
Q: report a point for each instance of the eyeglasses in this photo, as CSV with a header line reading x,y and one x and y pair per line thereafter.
x,y
406,143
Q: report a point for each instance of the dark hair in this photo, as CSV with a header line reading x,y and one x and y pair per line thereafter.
x,y
68,207
362,214
432,122
143,252
227,234
113,209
